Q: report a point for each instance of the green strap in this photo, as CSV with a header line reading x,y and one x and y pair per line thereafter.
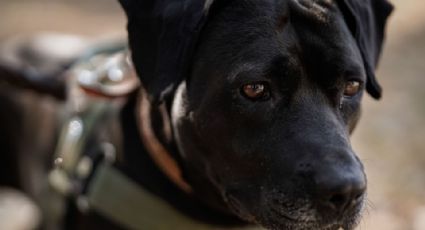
x,y
115,196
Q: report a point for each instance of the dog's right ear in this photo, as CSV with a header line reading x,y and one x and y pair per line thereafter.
x,y
367,20
162,36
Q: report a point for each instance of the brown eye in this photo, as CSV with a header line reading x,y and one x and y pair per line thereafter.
x,y
351,88
256,91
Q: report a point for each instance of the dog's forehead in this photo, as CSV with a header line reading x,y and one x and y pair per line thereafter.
x,y
260,31
327,45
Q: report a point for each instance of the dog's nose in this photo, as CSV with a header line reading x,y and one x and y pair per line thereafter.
x,y
340,190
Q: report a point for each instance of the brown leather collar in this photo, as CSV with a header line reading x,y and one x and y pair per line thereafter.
x,y
155,148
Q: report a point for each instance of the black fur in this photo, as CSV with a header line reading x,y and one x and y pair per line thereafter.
x,y
284,163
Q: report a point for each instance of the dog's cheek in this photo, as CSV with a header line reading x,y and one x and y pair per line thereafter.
x,y
354,120
351,112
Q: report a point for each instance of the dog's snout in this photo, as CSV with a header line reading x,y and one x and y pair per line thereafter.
x,y
340,188
337,182
341,193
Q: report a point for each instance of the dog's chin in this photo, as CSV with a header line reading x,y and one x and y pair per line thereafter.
x,y
306,226
301,214
281,221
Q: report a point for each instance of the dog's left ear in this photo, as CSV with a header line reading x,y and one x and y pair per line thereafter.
x,y
162,36
366,20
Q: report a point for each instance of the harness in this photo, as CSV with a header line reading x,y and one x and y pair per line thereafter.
x,y
87,150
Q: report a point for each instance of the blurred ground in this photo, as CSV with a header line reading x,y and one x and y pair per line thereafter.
x,y
390,138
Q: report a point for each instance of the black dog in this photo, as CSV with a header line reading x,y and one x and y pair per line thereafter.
x,y
262,98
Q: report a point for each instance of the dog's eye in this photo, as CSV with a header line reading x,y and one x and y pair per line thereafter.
x,y
256,91
351,88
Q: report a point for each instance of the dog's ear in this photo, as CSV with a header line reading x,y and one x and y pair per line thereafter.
x,y
162,36
366,20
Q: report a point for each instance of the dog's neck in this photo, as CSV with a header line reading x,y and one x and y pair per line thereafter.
x,y
149,172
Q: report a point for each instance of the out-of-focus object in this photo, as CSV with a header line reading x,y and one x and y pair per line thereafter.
x,y
37,61
17,211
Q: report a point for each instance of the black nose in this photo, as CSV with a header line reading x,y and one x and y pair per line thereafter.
x,y
340,189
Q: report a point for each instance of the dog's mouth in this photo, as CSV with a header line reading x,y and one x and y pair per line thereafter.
x,y
278,212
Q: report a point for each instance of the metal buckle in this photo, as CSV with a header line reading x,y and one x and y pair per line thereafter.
x,y
67,155
111,76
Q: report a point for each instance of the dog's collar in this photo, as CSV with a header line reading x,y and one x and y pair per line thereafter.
x,y
159,154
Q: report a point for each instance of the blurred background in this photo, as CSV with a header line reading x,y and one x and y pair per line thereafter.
x,y
390,138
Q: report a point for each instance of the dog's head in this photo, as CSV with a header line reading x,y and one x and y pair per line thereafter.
x,y
263,115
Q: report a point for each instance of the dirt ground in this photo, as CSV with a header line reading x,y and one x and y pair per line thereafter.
x,y
390,138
